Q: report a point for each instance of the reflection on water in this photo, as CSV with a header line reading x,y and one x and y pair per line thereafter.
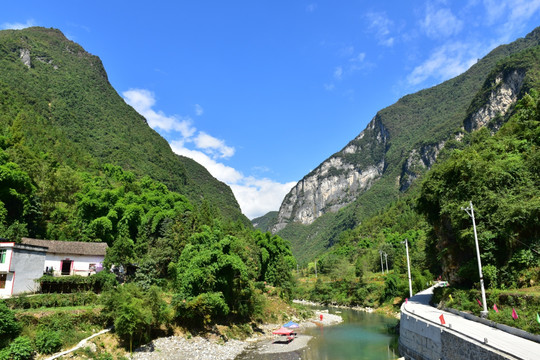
x,y
360,336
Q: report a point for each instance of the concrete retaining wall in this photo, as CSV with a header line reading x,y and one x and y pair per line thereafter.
x,y
421,339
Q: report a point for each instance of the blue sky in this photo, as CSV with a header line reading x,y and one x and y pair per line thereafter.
x,y
261,92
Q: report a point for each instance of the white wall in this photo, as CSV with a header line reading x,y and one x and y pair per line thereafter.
x,y
81,263
27,265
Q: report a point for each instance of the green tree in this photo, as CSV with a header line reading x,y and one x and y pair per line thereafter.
x,y
497,174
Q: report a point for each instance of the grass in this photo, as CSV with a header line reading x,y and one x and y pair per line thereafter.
x,y
48,310
525,301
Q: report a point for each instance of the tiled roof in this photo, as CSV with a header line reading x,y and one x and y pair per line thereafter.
x,y
69,247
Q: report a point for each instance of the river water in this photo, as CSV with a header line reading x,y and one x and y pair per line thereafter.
x,y
362,335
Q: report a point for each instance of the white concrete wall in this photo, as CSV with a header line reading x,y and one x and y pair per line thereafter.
x,y
81,263
420,339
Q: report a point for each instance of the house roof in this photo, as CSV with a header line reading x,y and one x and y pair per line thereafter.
x,y
69,247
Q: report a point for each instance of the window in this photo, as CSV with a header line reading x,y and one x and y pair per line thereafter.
x,y
3,278
3,256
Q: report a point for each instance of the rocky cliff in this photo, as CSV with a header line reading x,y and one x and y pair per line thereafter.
x,y
504,91
337,181
403,141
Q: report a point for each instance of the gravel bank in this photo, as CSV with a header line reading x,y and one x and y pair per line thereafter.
x,y
196,348
272,348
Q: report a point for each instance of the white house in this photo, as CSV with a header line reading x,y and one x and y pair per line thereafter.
x,y
20,265
71,257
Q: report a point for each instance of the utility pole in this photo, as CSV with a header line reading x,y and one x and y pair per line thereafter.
x,y
408,266
470,211
382,268
386,258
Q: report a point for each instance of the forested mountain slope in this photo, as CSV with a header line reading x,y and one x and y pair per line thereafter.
x,y
56,98
400,144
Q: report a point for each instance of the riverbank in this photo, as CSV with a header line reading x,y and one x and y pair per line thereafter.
x,y
388,311
195,348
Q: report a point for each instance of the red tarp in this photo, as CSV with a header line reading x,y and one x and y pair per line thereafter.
x,y
282,331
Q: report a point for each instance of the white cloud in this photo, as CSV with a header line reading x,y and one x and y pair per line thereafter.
x,y
494,10
338,73
255,196
446,62
358,58
213,146
198,110
346,51
18,26
143,101
520,12
380,25
440,22
510,15
311,7
259,196
220,171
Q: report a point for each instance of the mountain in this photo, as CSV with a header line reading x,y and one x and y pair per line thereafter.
x,y
399,145
265,222
58,96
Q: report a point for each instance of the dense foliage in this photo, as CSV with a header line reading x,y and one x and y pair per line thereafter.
x,y
60,116
351,272
500,175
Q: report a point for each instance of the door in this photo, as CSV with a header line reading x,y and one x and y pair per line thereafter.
x,y
66,267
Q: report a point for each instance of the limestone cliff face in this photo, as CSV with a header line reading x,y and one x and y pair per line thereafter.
x,y
338,180
504,93
419,160
505,89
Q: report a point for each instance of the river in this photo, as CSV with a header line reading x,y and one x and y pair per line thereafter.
x,y
362,335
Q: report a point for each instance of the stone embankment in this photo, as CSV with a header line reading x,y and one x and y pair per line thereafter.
x,y
428,333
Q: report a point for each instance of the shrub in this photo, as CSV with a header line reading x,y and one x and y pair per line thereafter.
x,y
391,288
58,322
5,354
490,275
132,320
48,342
53,300
21,349
202,309
76,283
9,327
